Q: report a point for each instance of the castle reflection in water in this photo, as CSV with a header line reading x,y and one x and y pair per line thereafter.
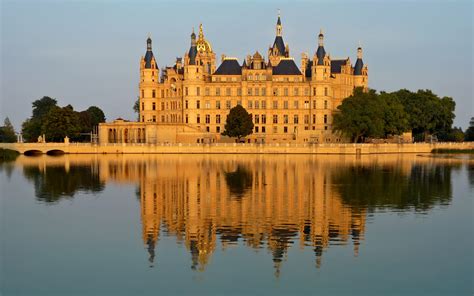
x,y
263,202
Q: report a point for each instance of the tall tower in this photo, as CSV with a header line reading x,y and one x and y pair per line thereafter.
x,y
321,62
149,74
360,71
278,50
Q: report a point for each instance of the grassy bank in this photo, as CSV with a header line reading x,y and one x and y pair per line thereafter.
x,y
8,155
453,151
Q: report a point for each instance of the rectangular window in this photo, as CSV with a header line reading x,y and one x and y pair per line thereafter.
x,y
153,94
285,104
198,118
325,91
314,118
257,118
257,105
249,91
239,91
218,129
208,105
218,118
275,118
228,104
227,92
325,104
198,91
264,91
296,92
314,104
285,118
256,129
264,119
162,93
275,104
275,91
206,91
249,104
296,104
218,104
143,118
187,118
257,91
325,119
218,91
285,91
186,91
306,91
263,129
295,119
198,104
143,94
154,118
186,104
306,104
153,106
162,106
263,105
208,118
143,106
306,119
285,129
314,91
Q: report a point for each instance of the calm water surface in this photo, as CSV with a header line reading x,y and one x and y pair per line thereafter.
x,y
237,225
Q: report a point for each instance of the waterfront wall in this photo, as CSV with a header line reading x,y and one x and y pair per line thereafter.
x,y
232,148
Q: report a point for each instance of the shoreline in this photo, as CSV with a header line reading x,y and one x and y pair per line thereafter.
x,y
233,148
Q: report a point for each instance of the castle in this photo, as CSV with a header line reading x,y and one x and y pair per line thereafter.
x,y
189,102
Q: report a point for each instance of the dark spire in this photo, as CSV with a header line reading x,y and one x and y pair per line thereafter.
x,y
193,49
321,53
359,63
149,54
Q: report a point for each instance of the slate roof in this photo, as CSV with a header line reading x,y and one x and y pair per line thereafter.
x,y
279,44
358,67
148,58
307,71
320,53
336,65
229,67
286,67
192,55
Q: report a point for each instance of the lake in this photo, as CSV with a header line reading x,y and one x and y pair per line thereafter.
x,y
237,225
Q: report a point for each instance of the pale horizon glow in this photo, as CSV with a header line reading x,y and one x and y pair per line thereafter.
x,y
87,53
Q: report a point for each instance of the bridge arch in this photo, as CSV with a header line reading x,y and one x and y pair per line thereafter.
x,y
55,152
33,152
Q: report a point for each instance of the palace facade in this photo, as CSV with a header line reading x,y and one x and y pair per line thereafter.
x,y
189,102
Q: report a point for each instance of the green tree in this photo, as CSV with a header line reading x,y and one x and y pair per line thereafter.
x,y
395,117
89,119
239,123
360,116
7,132
469,135
31,128
428,113
136,108
96,114
61,122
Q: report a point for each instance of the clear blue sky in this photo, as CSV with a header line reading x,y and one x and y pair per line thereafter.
x,y
87,52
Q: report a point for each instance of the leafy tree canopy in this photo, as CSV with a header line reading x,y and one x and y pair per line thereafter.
x,y
7,132
239,123
469,136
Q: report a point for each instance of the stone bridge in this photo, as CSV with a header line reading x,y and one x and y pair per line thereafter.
x,y
228,148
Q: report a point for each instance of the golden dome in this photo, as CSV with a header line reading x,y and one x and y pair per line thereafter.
x,y
202,44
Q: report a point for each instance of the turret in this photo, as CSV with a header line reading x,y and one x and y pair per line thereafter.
x,y
149,79
360,71
278,50
321,66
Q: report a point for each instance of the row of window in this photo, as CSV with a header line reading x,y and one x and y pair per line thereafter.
x,y
263,129
261,119
255,104
256,91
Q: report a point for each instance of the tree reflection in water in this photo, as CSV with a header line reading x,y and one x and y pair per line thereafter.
x,y
53,183
376,186
238,181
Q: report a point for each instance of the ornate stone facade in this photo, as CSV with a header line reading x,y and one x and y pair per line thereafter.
x,y
189,102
